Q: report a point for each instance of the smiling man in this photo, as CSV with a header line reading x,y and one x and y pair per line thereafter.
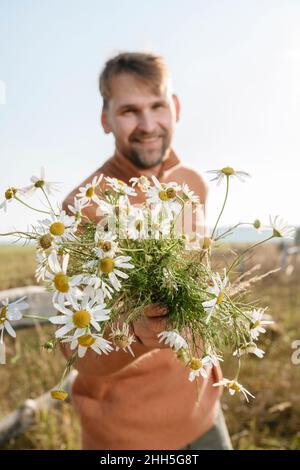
x,y
145,401
142,123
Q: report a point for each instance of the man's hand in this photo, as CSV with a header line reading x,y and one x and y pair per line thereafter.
x,y
150,324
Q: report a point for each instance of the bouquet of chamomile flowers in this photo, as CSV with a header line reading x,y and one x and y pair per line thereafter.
x,y
104,273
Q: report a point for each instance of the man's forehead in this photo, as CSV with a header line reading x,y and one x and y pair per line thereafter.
x,y
128,90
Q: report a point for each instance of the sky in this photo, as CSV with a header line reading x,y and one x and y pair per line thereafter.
x,y
235,66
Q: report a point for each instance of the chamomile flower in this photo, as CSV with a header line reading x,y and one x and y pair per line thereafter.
x,y
233,386
9,312
161,224
257,225
89,340
105,244
218,294
110,267
137,223
39,182
107,269
96,284
214,358
258,322
61,227
113,216
280,228
188,196
9,195
174,339
88,193
64,286
45,240
80,317
78,206
198,367
142,182
164,196
121,338
119,186
228,171
249,348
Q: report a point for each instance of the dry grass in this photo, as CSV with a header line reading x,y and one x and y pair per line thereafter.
x,y
271,421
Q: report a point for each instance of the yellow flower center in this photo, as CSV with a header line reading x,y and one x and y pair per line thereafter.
x,y
90,192
9,193
61,282
234,386
220,297
81,318
163,196
59,395
171,193
57,228
195,363
86,340
255,325
138,225
257,223
106,265
121,340
3,312
276,233
207,242
121,210
228,171
39,184
46,241
105,245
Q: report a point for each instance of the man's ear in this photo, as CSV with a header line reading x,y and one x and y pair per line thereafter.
x,y
177,106
105,122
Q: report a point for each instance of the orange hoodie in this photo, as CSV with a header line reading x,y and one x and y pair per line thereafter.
x,y
142,402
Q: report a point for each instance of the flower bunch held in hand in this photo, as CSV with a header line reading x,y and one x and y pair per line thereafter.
x,y
105,273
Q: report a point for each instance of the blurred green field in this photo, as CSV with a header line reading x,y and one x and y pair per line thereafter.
x,y
270,421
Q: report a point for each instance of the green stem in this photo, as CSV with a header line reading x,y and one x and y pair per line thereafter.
x,y
231,229
48,200
132,249
16,233
30,207
245,251
238,370
224,203
35,317
67,368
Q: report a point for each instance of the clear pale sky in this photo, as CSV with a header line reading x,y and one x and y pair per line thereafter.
x,y
235,66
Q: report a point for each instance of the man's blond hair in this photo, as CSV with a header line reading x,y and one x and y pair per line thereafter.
x,y
151,69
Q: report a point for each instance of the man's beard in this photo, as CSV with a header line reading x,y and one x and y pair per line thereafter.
x,y
147,158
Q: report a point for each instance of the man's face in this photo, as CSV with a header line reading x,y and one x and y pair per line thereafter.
x,y
142,122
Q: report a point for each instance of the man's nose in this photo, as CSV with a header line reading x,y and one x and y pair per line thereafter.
x,y
146,123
